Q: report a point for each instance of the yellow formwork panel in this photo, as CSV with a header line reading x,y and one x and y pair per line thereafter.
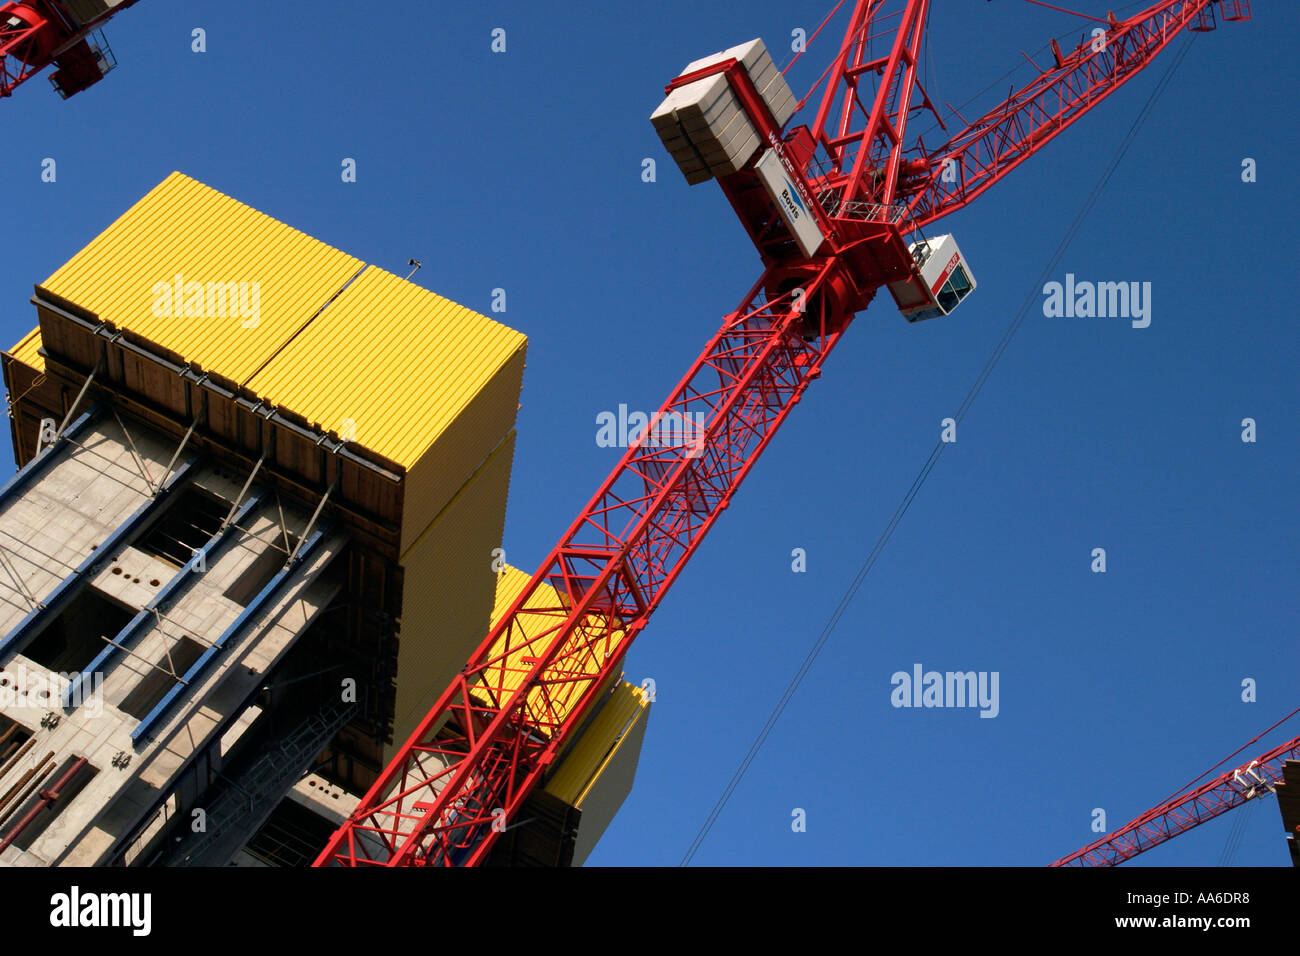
x,y
614,725
26,350
415,378
356,351
506,675
393,365
448,590
597,772
247,282
456,450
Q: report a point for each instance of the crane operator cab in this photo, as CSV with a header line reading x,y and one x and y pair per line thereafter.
x,y
946,280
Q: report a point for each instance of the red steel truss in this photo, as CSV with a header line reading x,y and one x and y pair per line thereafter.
x,y
1180,814
37,33
22,46
465,772
488,742
1004,137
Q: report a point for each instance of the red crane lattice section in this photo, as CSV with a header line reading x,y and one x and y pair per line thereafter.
x,y
37,33
954,174
1180,814
476,756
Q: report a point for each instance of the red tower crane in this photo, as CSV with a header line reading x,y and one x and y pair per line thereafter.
x,y
1180,813
835,210
66,33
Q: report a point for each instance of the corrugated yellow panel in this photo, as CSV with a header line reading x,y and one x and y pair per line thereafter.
x,y
247,282
448,589
506,675
597,773
487,414
26,350
395,362
581,767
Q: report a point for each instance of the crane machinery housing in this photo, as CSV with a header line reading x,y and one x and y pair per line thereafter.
x,y
837,209
66,33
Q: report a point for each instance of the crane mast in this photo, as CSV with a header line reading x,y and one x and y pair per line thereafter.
x,y
832,209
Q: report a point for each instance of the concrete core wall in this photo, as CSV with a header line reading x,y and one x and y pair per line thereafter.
x,y
70,590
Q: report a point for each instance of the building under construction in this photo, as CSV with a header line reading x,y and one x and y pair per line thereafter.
x,y
250,542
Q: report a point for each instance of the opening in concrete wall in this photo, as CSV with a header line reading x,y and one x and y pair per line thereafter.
x,y
82,629
256,576
292,836
154,684
187,524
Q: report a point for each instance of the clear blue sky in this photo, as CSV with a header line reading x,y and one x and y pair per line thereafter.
x,y
522,171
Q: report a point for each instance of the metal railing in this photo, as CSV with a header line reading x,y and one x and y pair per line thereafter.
x,y
832,203
263,784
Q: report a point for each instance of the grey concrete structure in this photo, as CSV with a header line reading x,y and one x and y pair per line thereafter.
x,y
112,521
